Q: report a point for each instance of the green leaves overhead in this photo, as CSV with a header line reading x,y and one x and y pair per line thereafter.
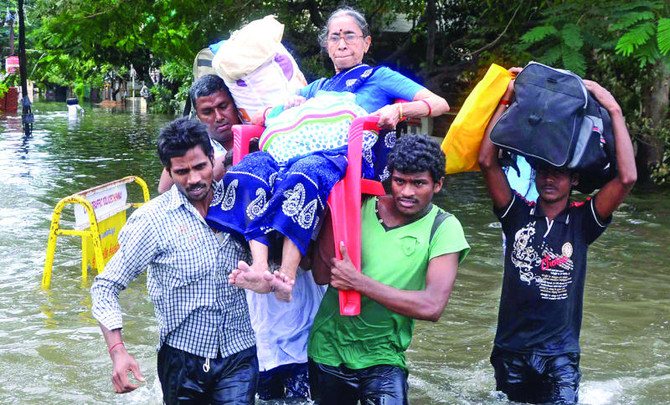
x,y
573,60
572,36
538,34
629,19
637,36
663,35
644,31
568,30
561,43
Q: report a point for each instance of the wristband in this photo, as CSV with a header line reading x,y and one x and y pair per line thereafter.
x,y
504,102
400,114
114,345
430,110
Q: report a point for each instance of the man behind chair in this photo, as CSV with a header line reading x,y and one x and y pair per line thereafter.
x,y
206,347
409,257
215,107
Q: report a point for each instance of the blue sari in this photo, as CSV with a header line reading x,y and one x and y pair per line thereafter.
x,y
374,160
261,198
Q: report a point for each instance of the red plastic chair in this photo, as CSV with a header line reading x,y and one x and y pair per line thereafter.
x,y
344,200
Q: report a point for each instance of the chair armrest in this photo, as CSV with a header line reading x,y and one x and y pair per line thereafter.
x,y
242,134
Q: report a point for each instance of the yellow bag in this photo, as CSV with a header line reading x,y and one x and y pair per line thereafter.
x,y
462,143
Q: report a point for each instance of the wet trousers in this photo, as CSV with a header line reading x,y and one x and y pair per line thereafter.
x,y
189,379
537,379
376,385
286,381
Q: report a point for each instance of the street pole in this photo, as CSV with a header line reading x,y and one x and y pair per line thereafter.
x,y
11,37
22,52
133,73
26,110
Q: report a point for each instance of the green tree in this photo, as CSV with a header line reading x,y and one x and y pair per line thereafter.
x,y
643,29
448,45
579,35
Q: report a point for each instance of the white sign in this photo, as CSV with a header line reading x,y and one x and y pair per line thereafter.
x,y
106,202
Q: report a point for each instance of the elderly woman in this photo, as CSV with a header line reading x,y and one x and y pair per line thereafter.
x,y
265,200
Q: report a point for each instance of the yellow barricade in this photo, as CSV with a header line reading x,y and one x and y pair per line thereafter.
x,y
100,213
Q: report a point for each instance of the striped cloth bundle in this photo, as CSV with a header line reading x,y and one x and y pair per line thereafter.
x,y
320,124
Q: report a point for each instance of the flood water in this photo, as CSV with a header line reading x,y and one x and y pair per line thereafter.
x,y
52,351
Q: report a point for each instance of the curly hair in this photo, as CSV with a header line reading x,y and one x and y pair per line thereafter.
x,y
417,153
180,135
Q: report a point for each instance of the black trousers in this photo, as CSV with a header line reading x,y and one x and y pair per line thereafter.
x,y
378,385
189,379
287,381
537,379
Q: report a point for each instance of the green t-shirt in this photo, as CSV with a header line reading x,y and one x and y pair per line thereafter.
x,y
397,257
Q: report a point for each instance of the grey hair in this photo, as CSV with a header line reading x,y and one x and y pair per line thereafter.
x,y
206,86
358,18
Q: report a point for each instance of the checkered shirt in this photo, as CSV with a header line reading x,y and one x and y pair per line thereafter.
x,y
187,278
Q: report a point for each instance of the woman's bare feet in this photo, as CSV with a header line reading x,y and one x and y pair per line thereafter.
x,y
251,278
281,284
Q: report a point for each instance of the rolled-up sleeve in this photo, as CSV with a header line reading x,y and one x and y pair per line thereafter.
x,y
138,245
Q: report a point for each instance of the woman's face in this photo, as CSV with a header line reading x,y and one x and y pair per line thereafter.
x,y
346,53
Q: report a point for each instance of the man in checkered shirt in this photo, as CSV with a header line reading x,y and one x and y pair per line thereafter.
x,y
207,347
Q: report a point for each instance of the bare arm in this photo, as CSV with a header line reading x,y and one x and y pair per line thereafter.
x,y
427,304
613,193
165,182
324,251
219,168
494,176
425,104
122,362
292,101
418,107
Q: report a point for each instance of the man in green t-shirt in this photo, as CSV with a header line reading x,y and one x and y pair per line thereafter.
x,y
409,257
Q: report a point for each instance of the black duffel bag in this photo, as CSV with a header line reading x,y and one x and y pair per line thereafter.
x,y
554,120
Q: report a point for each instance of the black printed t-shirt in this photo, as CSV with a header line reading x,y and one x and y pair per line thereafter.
x,y
543,282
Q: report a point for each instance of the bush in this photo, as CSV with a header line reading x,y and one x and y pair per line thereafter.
x,y
11,80
660,173
162,100
643,131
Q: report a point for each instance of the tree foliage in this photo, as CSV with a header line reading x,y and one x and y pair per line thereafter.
x,y
448,45
644,31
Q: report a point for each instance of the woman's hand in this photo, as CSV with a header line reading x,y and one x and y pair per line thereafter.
x,y
294,101
259,117
389,116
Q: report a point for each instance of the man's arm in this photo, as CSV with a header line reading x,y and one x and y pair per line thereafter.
x,y
219,167
105,308
138,244
613,193
494,176
165,182
427,304
122,362
323,252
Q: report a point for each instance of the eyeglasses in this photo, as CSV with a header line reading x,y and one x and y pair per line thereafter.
x,y
348,38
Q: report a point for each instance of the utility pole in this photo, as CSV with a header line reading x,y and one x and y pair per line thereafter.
x,y
22,51
27,115
11,34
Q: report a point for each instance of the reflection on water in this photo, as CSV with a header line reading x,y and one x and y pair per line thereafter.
x,y
52,350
